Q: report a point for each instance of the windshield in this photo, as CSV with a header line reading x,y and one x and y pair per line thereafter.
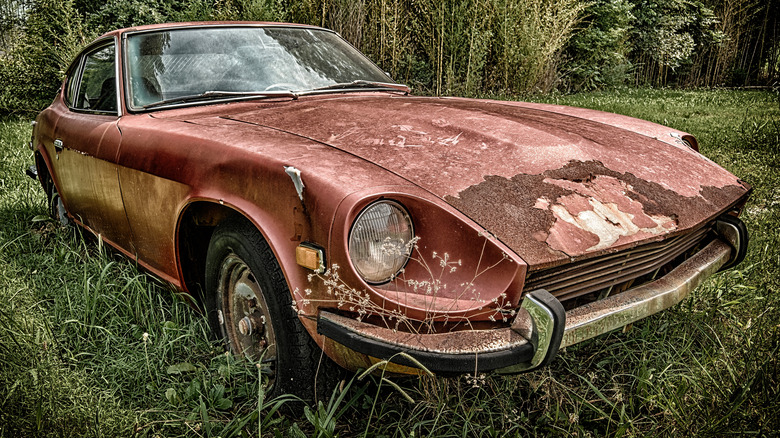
x,y
171,64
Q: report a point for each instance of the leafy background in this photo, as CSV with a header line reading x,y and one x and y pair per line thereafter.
x,y
464,47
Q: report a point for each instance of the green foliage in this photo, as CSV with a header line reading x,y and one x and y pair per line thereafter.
x,y
462,47
243,10
674,42
453,46
31,71
598,54
668,33
468,46
127,13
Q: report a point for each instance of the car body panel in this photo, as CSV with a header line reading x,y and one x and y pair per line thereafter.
x,y
174,169
87,174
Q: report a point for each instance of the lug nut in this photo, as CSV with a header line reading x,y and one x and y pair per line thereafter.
x,y
245,326
250,324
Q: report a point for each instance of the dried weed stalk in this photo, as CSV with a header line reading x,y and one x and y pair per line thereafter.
x,y
441,298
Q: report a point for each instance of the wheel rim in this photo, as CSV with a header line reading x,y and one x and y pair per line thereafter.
x,y
244,316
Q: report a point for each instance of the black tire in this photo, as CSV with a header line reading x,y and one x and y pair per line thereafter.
x,y
56,207
244,283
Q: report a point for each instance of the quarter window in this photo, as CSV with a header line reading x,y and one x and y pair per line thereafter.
x,y
72,87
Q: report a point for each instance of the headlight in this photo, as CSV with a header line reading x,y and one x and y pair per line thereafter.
x,y
379,241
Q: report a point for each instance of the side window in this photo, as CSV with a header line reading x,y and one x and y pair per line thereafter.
x,y
97,87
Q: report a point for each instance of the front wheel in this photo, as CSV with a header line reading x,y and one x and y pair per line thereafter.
x,y
249,305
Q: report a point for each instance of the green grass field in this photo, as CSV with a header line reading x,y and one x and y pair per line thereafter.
x,y
91,346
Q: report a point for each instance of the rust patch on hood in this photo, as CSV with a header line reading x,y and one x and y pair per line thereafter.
x,y
600,212
548,183
584,209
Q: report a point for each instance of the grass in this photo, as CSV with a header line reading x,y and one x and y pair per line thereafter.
x,y
91,346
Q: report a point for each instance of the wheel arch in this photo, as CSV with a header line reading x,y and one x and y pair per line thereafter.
x,y
196,223
43,166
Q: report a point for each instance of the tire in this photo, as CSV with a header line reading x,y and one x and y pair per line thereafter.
x,y
55,206
249,306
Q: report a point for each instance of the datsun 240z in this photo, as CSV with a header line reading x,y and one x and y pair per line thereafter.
x,y
311,204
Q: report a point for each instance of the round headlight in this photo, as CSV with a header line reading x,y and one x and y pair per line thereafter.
x,y
379,241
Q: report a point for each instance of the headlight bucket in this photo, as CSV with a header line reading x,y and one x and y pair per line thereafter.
x,y
471,271
379,241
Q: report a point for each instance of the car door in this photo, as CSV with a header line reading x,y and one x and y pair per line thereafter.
x,y
86,145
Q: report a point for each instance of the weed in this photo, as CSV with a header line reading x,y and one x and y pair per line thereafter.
x,y
443,299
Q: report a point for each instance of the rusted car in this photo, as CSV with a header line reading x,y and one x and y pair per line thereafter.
x,y
311,204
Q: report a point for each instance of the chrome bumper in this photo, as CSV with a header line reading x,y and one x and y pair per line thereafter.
x,y
634,304
539,330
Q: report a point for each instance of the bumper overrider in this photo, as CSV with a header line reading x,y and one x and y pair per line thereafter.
x,y
541,326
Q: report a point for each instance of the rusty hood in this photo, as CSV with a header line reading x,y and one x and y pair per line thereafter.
x,y
553,183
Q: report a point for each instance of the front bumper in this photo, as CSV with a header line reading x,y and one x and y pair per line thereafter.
x,y
540,328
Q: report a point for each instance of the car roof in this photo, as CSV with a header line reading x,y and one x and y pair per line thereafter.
x,y
180,25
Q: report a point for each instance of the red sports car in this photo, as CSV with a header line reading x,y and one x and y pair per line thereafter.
x,y
311,204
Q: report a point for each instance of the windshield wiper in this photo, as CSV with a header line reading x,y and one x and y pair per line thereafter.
x,y
361,84
208,95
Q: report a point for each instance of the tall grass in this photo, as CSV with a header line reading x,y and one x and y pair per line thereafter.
x,y
488,44
90,346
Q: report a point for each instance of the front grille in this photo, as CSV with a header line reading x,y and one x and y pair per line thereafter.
x,y
615,272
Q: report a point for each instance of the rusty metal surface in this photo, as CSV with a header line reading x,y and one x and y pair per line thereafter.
x,y
576,279
655,131
448,145
614,312
584,209
461,342
582,323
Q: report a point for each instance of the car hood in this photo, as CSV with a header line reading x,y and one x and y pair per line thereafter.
x,y
553,183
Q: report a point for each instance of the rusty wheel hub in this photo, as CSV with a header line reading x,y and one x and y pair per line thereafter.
x,y
245,317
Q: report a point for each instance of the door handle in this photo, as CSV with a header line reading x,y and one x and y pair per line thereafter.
x,y
58,145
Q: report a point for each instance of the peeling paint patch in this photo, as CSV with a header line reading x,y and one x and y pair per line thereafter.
x,y
408,128
448,145
542,203
599,213
606,222
400,142
408,136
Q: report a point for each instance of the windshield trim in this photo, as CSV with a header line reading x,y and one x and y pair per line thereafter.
x,y
132,32
219,96
356,86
